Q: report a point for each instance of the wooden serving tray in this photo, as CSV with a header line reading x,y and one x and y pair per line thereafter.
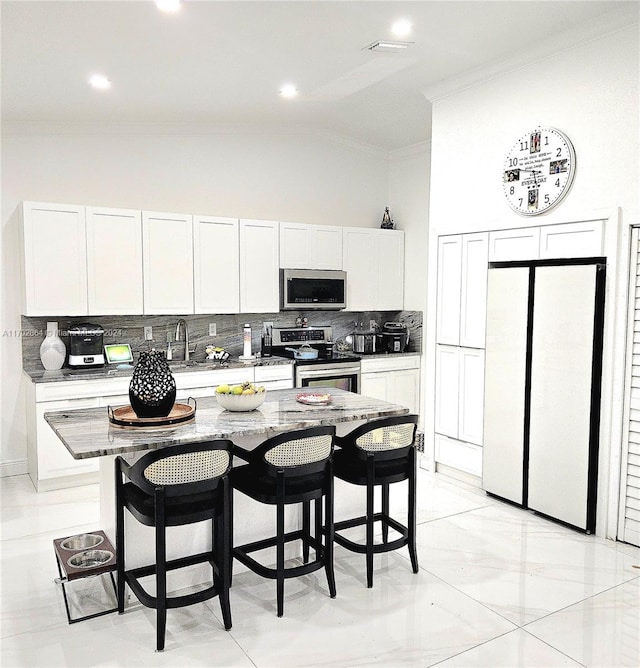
x,y
125,417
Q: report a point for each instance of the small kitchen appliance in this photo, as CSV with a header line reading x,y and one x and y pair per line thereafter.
x,y
364,343
394,337
85,346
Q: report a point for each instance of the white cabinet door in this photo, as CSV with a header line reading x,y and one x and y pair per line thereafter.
x,y
448,287
216,265
327,245
259,266
471,395
447,386
406,390
295,246
55,259
473,289
359,261
390,269
571,240
167,248
54,460
310,246
511,245
114,261
375,385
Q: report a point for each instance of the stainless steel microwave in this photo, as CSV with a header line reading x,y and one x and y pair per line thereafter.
x,y
305,289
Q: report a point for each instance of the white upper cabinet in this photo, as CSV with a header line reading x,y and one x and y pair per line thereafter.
x,y
511,245
114,261
473,289
449,282
310,246
55,259
216,264
374,262
571,240
390,266
462,289
259,273
167,246
359,261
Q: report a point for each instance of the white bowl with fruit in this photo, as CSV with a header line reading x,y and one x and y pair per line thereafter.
x,y
243,397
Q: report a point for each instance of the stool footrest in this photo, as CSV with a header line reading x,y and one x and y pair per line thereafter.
x,y
241,553
378,548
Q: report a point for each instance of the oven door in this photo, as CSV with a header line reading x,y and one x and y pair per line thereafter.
x,y
344,376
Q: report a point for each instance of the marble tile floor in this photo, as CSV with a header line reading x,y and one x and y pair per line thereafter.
x,y
497,586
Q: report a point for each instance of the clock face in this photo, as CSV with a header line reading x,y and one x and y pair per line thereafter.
x,y
538,171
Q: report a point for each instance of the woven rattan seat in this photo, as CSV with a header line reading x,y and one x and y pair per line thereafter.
x,y
175,486
379,453
291,468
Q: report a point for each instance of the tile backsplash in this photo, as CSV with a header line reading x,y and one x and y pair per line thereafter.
x,y
130,329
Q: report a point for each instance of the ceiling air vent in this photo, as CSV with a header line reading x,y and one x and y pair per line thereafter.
x,y
385,46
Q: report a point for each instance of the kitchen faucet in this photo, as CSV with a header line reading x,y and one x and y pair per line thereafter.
x,y
183,322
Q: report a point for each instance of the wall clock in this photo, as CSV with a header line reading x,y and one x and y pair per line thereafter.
x,y
538,171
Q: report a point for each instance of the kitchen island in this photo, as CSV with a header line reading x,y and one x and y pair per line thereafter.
x,y
88,433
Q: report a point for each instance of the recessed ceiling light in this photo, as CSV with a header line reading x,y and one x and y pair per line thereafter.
x,y
288,90
168,6
99,81
401,28
388,46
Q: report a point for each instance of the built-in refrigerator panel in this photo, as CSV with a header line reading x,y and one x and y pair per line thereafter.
x,y
505,362
542,385
562,352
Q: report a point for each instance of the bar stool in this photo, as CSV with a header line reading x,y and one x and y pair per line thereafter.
x,y
379,453
291,468
175,486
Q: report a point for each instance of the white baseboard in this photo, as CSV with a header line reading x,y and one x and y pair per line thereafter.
x,y
16,467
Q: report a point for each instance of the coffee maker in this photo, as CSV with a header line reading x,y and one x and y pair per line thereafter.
x,y
395,336
86,346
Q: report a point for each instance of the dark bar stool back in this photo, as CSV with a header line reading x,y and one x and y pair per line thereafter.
x,y
175,486
291,468
379,453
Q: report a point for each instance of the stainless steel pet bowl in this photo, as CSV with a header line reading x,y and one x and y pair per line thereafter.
x,y
90,559
82,541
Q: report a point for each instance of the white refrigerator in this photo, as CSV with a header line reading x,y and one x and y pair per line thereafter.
x,y
542,386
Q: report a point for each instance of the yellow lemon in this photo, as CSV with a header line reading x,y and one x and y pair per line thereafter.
x,y
222,389
248,391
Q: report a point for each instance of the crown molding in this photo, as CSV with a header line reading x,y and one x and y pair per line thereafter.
x,y
422,148
156,129
588,31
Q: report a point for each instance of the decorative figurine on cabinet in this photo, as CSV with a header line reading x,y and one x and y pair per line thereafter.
x,y
387,221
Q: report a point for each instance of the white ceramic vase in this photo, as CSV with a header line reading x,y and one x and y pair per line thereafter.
x,y
52,350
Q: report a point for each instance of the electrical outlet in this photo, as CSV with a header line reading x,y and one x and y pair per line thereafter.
x,y
148,333
267,325
212,329
372,325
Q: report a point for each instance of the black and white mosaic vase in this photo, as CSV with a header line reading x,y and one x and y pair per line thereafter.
x,y
152,391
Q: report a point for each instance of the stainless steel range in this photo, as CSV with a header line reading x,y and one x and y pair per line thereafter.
x,y
321,366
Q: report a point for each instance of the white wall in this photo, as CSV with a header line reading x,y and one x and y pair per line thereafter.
x,y
309,178
409,205
591,93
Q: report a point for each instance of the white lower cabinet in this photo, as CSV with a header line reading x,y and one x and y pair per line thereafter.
x,y
459,407
392,379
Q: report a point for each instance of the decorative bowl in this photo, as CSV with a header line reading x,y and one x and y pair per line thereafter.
x,y
241,402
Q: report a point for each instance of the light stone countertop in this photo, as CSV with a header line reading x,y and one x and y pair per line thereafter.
x,y
88,433
177,367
